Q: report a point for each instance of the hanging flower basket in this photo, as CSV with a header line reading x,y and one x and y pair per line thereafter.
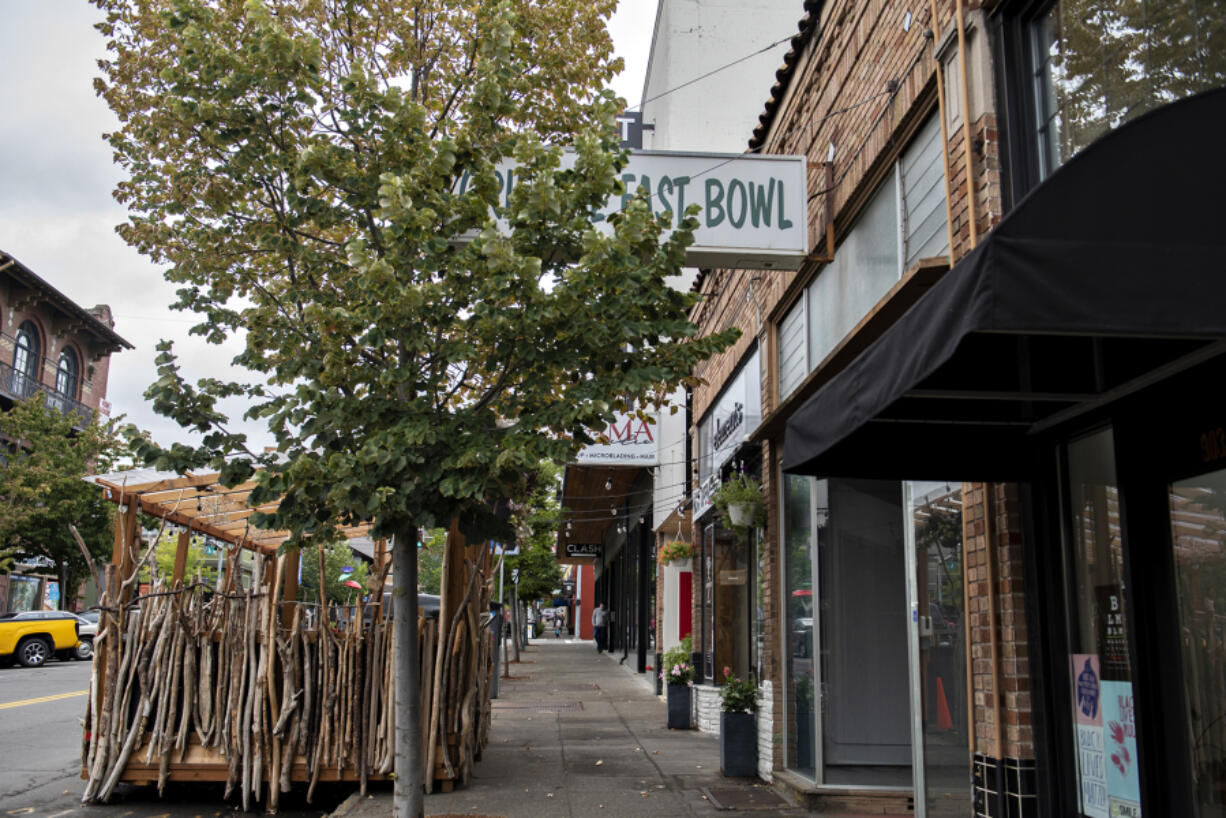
x,y
740,503
676,551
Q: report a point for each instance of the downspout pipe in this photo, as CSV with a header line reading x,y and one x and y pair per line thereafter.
x,y
966,127
949,214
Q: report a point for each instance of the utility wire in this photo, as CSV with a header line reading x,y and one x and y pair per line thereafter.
x,y
714,71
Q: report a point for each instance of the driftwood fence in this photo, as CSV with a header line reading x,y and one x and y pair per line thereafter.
x,y
261,691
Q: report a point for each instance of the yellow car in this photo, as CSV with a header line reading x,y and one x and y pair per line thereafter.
x,y
33,636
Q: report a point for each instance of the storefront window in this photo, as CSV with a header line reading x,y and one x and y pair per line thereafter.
x,y
800,713
862,622
1099,64
732,604
941,695
1198,533
1099,666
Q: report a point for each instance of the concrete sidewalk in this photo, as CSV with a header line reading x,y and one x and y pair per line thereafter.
x,y
576,734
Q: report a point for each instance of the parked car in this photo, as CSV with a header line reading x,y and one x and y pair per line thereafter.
x,y
32,637
86,632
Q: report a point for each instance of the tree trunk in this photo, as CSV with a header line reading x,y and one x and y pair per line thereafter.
x,y
408,796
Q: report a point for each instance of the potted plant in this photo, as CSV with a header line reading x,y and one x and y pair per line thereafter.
x,y
677,551
740,503
738,730
678,676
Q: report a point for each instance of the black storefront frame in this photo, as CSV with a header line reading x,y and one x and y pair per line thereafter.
x,y
1146,463
1017,307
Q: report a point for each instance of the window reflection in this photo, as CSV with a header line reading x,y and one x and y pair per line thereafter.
x,y
1098,63
1198,533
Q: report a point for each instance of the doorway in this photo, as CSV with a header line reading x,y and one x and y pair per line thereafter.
x,y
937,647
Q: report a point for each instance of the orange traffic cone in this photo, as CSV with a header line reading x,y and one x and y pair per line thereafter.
x,y
944,721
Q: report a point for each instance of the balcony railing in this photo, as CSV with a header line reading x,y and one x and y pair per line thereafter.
x,y
17,385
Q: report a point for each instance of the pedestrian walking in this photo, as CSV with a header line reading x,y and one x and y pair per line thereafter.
x,y
599,616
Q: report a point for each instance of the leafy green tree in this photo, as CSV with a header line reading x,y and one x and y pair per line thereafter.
x,y
42,491
338,556
536,521
199,560
430,561
419,332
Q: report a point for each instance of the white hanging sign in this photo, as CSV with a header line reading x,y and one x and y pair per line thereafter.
x,y
753,209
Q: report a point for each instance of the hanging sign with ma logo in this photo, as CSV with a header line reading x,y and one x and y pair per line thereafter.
x,y
752,209
632,442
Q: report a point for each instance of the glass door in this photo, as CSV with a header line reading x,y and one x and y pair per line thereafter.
x,y
937,648
1198,536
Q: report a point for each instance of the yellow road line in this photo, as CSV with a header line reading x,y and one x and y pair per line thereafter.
x,y
40,699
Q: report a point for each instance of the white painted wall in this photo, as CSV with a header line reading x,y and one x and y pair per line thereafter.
x,y
717,114
696,37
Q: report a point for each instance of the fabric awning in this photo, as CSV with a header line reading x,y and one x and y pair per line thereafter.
x,y
1108,277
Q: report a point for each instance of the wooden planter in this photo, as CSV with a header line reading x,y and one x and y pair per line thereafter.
x,y
679,707
738,744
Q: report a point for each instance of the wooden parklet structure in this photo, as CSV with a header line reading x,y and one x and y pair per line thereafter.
x,y
251,686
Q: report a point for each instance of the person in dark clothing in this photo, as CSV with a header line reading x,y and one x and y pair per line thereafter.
x,y
599,617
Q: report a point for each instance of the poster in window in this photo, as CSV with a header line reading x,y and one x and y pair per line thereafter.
x,y
1091,760
1120,734
1112,633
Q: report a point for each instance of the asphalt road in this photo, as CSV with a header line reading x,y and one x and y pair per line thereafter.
x,y
41,712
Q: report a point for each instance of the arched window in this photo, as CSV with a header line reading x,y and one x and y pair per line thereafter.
x,y
25,360
67,374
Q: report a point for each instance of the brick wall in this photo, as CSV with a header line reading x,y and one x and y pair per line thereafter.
x,y
706,709
767,735
863,84
56,331
1009,677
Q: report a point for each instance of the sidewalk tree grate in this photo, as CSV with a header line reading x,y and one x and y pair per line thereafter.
x,y
748,798
501,705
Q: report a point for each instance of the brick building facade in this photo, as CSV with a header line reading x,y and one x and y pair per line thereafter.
x,y
962,706
49,346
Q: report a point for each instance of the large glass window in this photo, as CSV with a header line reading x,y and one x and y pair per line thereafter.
x,y
941,695
793,348
25,360
865,266
67,374
903,221
1198,533
921,173
862,622
1100,675
1098,63
799,676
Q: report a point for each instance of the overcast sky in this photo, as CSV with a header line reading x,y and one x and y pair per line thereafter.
x,y
56,176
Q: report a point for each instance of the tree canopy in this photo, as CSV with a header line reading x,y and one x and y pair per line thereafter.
x,y
322,179
42,491
341,564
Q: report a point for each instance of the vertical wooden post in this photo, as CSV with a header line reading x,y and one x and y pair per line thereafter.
x,y
181,548
289,591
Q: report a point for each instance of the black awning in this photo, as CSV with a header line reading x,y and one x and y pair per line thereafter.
x,y
1108,277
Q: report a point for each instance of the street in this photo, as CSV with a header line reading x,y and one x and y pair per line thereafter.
x,y
41,710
